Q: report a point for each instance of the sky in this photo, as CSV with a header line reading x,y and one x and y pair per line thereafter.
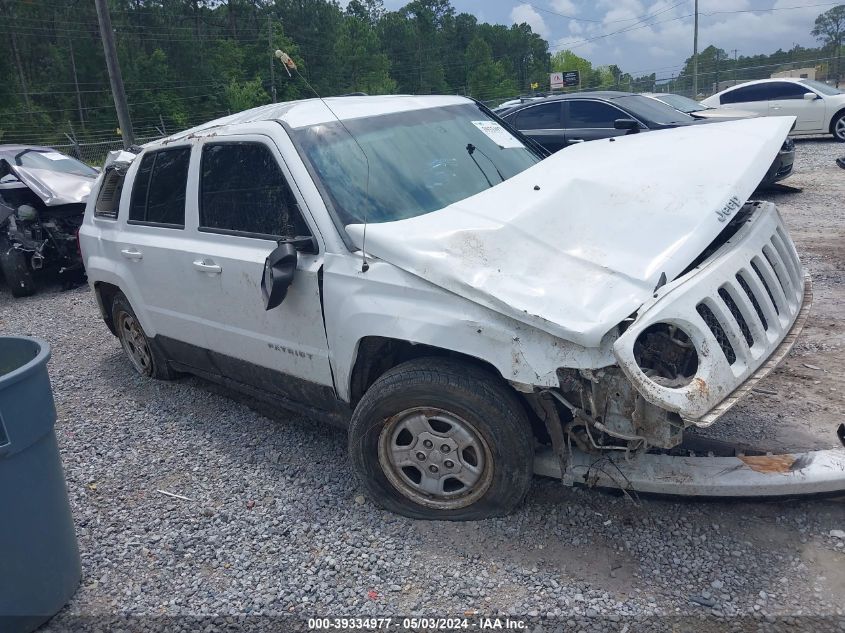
x,y
656,34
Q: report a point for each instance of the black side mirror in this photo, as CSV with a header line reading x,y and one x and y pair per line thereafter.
x,y
627,124
279,269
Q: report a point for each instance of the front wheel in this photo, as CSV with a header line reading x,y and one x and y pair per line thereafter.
x,y
442,440
838,128
13,263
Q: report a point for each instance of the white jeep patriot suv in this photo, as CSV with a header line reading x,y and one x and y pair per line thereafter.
x,y
418,272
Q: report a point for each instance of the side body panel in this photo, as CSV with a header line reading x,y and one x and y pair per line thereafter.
x,y
388,302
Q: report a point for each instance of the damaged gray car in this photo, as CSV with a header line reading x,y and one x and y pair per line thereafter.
x,y
42,199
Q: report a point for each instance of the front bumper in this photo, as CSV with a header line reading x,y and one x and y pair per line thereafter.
x,y
780,169
742,309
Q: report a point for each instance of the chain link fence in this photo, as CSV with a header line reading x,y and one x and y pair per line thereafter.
x,y
95,153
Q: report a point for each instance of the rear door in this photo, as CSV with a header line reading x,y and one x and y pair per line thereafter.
x,y
542,122
786,98
753,98
589,119
245,204
149,242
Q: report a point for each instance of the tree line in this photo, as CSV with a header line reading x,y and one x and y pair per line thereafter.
x,y
188,61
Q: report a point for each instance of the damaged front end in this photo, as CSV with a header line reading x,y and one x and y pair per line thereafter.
x,y
698,346
684,359
40,216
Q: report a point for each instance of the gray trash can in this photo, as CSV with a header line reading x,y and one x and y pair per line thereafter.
x,y
39,555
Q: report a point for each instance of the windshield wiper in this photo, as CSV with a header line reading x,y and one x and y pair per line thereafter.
x,y
471,149
21,153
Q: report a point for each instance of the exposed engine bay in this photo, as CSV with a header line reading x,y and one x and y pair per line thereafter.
x,y
40,214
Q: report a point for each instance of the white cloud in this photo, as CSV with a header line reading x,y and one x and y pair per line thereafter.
x,y
566,7
527,14
667,37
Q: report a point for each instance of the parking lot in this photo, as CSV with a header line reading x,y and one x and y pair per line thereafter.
x,y
263,516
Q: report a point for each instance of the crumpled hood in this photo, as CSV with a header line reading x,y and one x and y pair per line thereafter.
x,y
578,242
54,187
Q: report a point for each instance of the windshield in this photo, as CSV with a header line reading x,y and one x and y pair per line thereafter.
x,y
652,111
679,102
419,161
54,161
823,88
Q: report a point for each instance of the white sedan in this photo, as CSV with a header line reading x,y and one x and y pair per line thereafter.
x,y
817,107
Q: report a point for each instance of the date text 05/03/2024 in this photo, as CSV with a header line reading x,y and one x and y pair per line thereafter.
x,y
425,623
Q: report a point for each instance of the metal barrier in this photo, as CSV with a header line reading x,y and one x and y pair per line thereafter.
x,y
95,153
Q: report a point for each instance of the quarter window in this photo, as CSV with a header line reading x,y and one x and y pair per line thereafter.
x,y
539,117
158,195
108,199
746,94
243,191
593,114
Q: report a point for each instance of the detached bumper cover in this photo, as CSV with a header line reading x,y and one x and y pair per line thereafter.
x,y
792,474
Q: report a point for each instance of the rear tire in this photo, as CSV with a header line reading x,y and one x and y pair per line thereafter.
x,y
16,270
142,351
837,127
440,439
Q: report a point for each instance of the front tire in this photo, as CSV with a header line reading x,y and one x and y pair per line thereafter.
x,y
439,439
16,270
837,128
142,351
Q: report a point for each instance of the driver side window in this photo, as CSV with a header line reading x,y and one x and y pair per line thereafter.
x,y
244,192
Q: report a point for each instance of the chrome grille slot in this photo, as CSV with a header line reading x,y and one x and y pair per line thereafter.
x,y
718,332
737,315
750,302
788,258
770,282
780,271
740,278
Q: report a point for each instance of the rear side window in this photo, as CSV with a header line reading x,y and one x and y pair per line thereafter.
x,y
243,191
539,117
746,94
158,195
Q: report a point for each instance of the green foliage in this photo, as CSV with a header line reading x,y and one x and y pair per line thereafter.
x,y
187,61
563,61
829,28
245,95
486,79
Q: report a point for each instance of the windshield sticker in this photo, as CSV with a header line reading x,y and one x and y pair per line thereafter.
x,y
496,133
52,155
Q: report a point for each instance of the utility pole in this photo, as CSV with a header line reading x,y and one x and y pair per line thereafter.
x,y
21,76
695,55
76,83
717,70
115,78
736,62
272,58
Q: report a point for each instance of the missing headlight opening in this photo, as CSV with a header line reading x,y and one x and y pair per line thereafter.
x,y
666,355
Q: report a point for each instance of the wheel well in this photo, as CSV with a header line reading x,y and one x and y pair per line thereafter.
x,y
105,297
833,119
377,355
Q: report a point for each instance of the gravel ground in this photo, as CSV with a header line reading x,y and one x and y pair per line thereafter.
x,y
276,525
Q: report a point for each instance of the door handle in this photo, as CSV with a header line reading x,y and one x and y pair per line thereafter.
x,y
207,266
131,253
776,107
576,140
